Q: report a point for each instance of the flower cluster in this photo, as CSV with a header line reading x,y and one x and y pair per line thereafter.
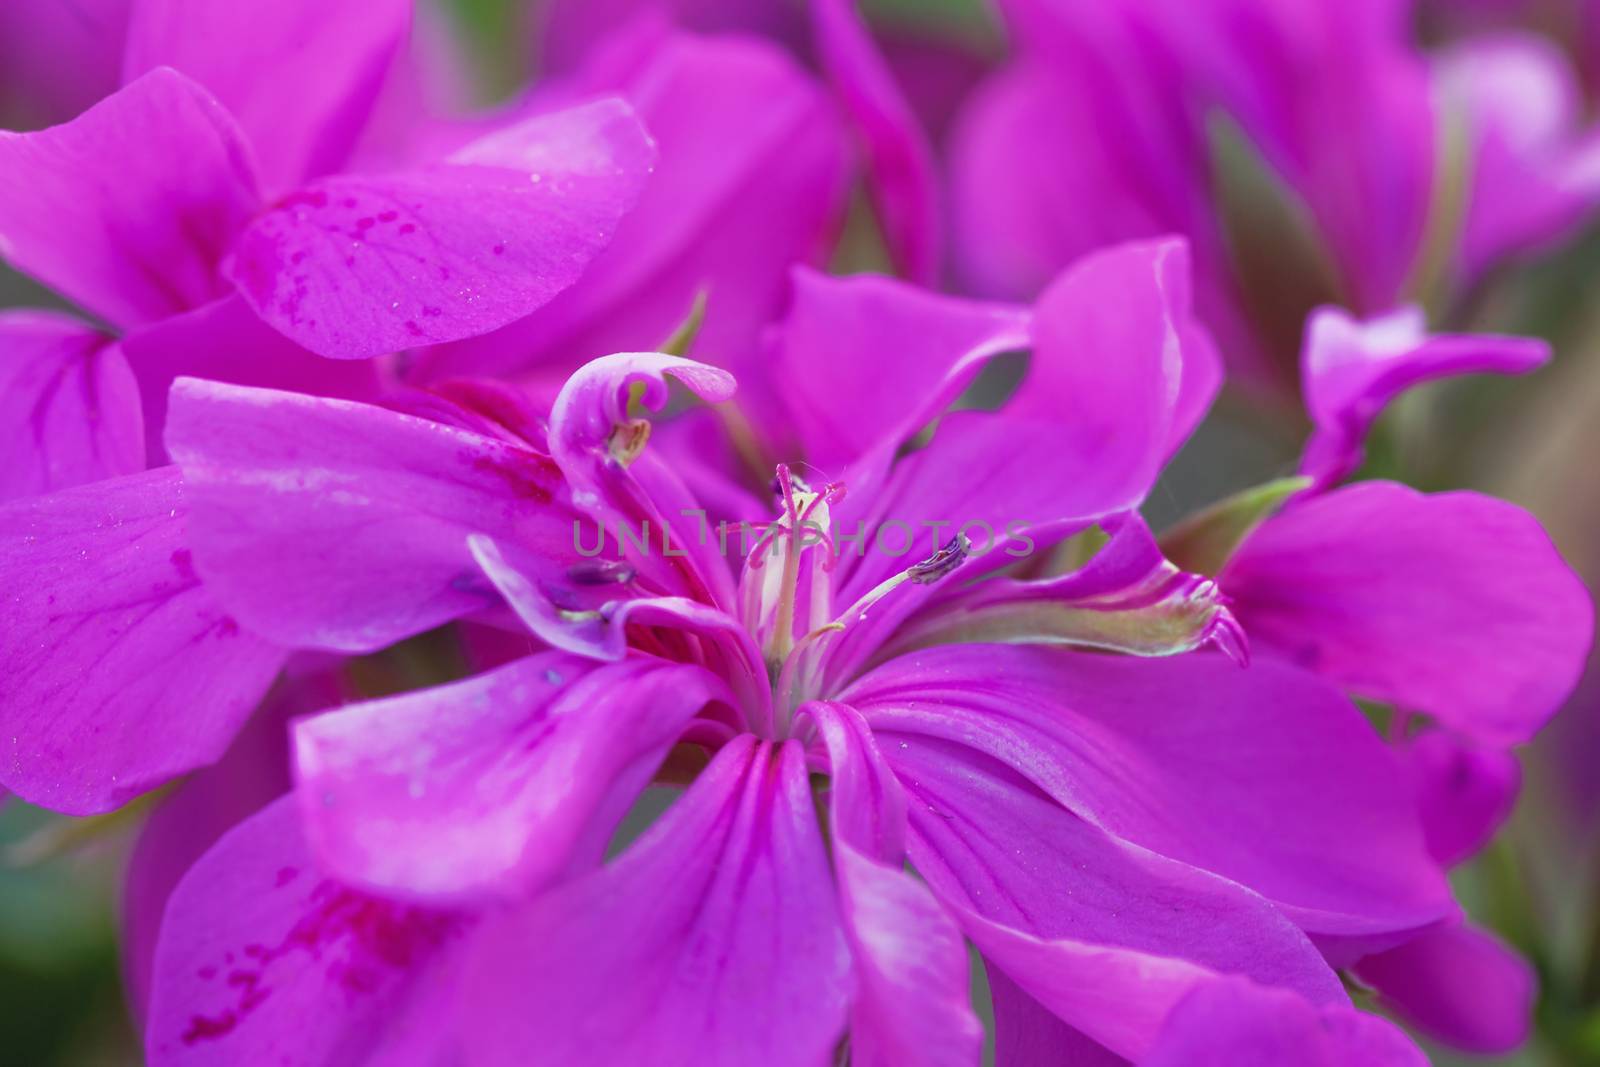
x,y
354,371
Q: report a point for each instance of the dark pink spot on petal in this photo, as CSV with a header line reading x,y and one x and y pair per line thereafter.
x,y
408,228
209,1028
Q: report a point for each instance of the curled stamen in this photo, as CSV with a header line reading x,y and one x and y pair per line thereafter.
x,y
628,440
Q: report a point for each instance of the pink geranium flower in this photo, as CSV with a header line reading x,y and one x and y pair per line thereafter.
x,y
1068,811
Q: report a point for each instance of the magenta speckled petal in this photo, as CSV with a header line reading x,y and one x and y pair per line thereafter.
x,y
122,671
130,207
713,941
752,179
69,405
263,960
1453,604
207,804
355,266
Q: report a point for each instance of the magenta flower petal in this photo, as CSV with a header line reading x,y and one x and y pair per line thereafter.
x,y
1351,370
1195,759
899,159
121,669
1121,362
752,179
992,843
1458,984
69,406
129,208
1236,1023
57,59
493,785
300,76
263,960
253,773
333,524
1453,604
225,341
714,939
1027,1034
355,266
864,363
1465,791
912,1004
1533,167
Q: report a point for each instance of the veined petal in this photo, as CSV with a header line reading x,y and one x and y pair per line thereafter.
x,y
864,363
495,785
1352,369
1452,604
300,76
262,959
912,1006
994,844
1120,362
207,804
129,208
1457,984
355,266
1237,1023
69,406
225,341
1027,1034
1127,598
899,159
121,670
1195,759
713,940
339,525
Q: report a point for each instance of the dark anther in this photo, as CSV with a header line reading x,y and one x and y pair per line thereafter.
x,y
942,562
601,572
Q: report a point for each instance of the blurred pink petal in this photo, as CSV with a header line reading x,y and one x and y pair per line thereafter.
x,y
299,75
